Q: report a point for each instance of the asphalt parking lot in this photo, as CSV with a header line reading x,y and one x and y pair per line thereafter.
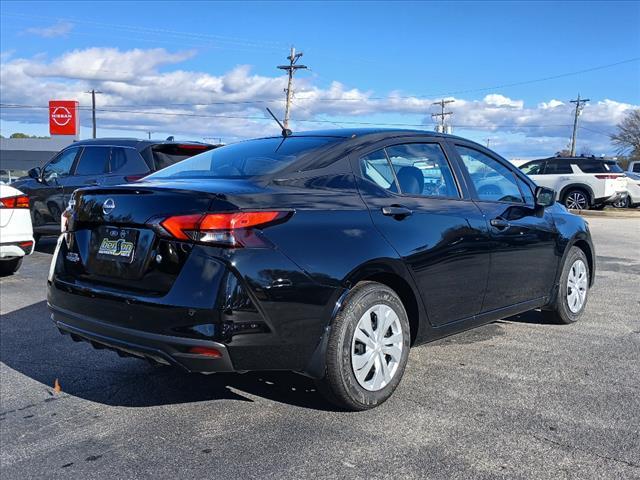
x,y
514,399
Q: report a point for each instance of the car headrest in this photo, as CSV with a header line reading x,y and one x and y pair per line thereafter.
x,y
411,180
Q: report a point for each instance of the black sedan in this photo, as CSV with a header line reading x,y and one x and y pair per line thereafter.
x,y
327,253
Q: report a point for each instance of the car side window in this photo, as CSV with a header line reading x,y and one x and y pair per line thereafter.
x,y
558,167
529,198
375,167
493,181
422,169
125,161
533,168
93,161
636,168
61,165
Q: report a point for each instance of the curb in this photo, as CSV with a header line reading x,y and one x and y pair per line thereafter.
x,y
612,213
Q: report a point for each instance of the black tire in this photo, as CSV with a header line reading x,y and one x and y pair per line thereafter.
x,y
559,311
622,203
339,384
9,267
575,196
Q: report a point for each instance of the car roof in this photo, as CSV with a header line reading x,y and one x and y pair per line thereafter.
x,y
130,142
575,159
366,132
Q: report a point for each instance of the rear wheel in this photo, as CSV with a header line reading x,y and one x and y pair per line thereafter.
x,y
368,348
9,267
576,199
573,290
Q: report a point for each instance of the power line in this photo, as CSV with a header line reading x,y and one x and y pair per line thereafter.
x,y
580,103
291,69
262,118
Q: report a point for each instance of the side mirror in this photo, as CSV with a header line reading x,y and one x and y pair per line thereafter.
x,y
35,173
545,197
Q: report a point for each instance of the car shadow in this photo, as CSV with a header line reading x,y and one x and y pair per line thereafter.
x,y
532,316
32,346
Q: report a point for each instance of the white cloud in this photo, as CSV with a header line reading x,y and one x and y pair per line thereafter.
x,y
497,100
59,29
232,104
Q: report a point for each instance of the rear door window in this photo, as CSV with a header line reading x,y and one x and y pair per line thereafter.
x,y
376,168
94,161
422,169
126,161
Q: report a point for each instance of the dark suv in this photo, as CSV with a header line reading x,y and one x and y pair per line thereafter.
x,y
96,162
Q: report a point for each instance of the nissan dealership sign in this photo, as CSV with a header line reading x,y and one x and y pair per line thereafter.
x,y
63,117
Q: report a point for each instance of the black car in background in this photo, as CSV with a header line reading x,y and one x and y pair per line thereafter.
x,y
326,253
101,162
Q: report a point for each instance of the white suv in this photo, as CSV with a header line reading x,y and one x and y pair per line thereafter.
x,y
580,182
16,233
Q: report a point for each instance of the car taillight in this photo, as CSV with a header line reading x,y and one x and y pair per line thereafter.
x,y
21,201
234,229
608,177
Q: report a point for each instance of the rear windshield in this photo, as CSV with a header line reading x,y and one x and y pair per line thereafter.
x,y
165,155
246,159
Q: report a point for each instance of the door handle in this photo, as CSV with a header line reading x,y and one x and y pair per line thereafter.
x,y
397,211
499,223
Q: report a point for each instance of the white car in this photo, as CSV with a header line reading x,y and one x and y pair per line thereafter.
x,y
16,232
580,182
632,200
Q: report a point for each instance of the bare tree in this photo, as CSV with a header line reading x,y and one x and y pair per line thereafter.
x,y
627,138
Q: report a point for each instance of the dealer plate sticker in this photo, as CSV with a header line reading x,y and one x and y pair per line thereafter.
x,y
118,245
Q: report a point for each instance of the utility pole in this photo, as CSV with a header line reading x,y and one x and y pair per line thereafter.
x,y
442,115
93,109
580,102
291,68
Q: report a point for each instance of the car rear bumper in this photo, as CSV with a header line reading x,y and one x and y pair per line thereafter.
x,y
16,248
610,199
162,349
234,305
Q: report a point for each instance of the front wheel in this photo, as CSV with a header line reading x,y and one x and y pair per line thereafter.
x,y
368,348
622,202
573,290
9,267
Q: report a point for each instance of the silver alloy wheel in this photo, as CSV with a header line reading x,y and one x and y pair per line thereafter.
x,y
621,202
577,284
376,347
576,201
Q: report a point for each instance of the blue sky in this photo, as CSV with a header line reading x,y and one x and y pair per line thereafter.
x,y
372,49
